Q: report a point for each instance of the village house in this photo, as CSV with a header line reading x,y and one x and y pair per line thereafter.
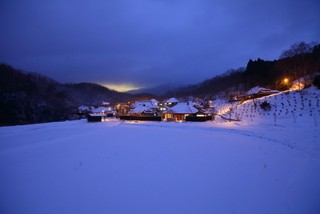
x,y
100,113
84,110
256,92
95,117
107,111
143,110
171,102
179,112
201,116
155,102
145,107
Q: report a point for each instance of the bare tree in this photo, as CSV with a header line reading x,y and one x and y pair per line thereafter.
x,y
298,58
298,48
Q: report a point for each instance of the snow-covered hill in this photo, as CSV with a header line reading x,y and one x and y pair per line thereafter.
x,y
289,107
160,167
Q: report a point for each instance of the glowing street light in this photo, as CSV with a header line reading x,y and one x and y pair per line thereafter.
x,y
285,80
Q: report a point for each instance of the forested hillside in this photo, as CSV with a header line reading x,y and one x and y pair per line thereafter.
x,y
33,98
300,60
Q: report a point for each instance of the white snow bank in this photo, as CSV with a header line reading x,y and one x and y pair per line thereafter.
x,y
158,167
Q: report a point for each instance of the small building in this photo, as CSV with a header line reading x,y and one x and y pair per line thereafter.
x,y
145,107
143,110
107,111
199,117
95,117
256,92
155,102
84,110
171,102
180,111
163,108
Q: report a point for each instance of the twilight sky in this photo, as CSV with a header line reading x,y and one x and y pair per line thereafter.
x,y
138,43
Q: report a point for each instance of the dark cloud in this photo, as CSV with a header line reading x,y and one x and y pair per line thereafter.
x,y
147,42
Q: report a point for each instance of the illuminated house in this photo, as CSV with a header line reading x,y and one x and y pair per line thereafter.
x,y
180,111
200,116
107,111
171,102
143,111
155,102
146,110
84,110
100,113
145,107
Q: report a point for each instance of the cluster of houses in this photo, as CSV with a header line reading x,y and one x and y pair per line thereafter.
x,y
152,110
99,113
173,109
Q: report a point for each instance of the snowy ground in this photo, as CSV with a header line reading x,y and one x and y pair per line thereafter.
x,y
158,167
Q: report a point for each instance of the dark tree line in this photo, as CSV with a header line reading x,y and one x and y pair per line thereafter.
x,y
29,98
300,60
232,78
34,98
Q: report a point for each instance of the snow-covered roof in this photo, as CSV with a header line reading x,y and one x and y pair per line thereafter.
x,y
172,100
146,103
154,101
140,109
84,108
183,108
255,90
259,89
101,109
195,103
97,115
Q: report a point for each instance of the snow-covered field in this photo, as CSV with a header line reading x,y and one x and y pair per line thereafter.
x,y
158,167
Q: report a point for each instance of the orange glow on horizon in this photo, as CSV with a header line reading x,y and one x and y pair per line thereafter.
x,y
121,87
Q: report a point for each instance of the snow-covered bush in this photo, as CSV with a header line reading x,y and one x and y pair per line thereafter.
x,y
265,106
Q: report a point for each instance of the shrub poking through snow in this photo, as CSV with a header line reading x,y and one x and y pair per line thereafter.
x,y
265,106
316,81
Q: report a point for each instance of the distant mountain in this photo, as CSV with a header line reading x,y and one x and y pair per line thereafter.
x,y
93,94
159,90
